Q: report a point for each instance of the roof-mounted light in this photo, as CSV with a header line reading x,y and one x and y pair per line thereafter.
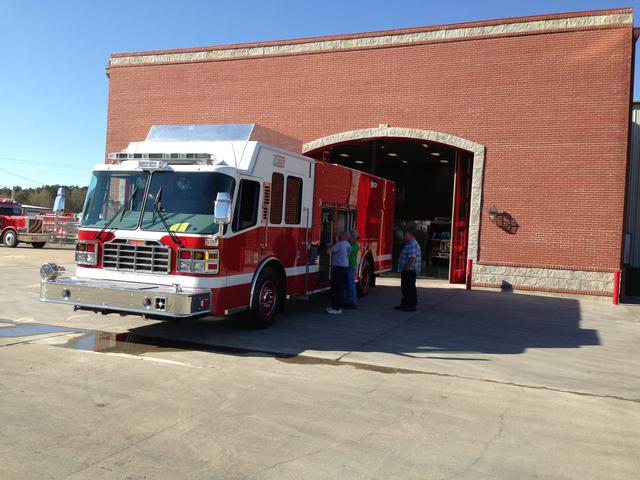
x,y
167,158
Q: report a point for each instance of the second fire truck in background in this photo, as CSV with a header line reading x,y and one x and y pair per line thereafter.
x,y
15,227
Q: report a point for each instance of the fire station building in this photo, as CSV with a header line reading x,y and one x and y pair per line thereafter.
x,y
508,140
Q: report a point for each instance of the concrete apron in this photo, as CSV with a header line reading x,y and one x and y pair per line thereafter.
x,y
568,344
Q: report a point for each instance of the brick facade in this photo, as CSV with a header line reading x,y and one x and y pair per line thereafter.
x,y
548,98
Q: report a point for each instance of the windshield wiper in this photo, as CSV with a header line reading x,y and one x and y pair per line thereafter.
x,y
157,208
121,211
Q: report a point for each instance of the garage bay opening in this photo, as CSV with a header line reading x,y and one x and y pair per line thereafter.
x,y
433,186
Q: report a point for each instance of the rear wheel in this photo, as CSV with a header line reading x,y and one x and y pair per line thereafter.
x,y
367,278
38,244
10,239
267,300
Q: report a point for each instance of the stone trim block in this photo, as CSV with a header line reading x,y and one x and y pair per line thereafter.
x,y
445,33
545,279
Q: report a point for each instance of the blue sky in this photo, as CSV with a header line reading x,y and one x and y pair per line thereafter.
x,y
53,87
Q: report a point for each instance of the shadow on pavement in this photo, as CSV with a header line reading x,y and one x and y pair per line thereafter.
x,y
449,321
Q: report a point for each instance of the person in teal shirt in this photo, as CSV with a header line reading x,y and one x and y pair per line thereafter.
x,y
350,302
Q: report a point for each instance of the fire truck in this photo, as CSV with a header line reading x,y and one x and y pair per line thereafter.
x,y
16,227
201,220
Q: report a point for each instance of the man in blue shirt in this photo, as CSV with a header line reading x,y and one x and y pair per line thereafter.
x,y
409,267
339,273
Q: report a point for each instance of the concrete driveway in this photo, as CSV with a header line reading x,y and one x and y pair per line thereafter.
x,y
473,385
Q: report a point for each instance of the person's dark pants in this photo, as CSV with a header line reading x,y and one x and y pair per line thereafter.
x,y
408,287
339,279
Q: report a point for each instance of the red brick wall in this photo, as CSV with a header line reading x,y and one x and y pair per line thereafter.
x,y
551,108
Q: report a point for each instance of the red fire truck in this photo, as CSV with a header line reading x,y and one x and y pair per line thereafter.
x,y
16,227
212,220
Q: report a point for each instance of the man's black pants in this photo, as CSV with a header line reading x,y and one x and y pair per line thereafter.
x,y
339,279
409,291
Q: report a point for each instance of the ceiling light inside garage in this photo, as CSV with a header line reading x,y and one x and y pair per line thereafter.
x,y
435,154
359,162
425,145
345,155
404,161
444,161
391,154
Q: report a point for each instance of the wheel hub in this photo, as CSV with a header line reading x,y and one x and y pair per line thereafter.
x,y
267,298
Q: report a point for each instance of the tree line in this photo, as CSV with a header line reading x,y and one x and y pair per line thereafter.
x,y
45,195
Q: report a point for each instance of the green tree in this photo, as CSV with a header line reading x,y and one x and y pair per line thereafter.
x,y
75,198
44,196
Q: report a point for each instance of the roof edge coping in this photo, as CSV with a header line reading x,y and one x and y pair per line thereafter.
x,y
530,24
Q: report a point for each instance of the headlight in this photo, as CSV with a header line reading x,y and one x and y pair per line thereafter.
x,y
184,265
198,261
50,271
87,253
197,266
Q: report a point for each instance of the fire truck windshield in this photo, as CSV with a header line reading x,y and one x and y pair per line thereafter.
x,y
107,195
186,200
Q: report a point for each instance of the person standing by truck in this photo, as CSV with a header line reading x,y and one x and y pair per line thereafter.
x,y
350,302
339,273
409,267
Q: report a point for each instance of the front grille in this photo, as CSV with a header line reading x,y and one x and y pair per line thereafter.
x,y
149,258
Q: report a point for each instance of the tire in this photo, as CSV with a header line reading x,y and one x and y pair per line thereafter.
x,y
38,244
10,239
367,278
267,300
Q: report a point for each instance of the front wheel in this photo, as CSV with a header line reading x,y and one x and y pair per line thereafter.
x,y
367,278
10,239
38,244
266,300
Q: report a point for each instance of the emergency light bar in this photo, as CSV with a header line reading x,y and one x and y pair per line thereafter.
x,y
175,158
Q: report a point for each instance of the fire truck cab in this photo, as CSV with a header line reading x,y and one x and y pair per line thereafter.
x,y
16,227
211,220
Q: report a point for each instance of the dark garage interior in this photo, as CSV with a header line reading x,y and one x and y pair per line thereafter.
x,y
424,173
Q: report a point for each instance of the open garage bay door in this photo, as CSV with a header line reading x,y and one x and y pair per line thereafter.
x,y
433,186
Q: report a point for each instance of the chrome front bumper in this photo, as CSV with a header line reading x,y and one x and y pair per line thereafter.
x,y
127,297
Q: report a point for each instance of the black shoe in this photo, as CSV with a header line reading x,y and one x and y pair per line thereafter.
x,y
349,306
407,309
400,307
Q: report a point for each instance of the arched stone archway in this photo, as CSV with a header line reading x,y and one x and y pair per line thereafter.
x,y
385,131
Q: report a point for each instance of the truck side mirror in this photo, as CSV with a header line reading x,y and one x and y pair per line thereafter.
x,y
222,209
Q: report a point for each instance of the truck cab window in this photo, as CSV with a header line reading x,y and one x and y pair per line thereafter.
x,y
10,210
277,194
294,201
246,212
